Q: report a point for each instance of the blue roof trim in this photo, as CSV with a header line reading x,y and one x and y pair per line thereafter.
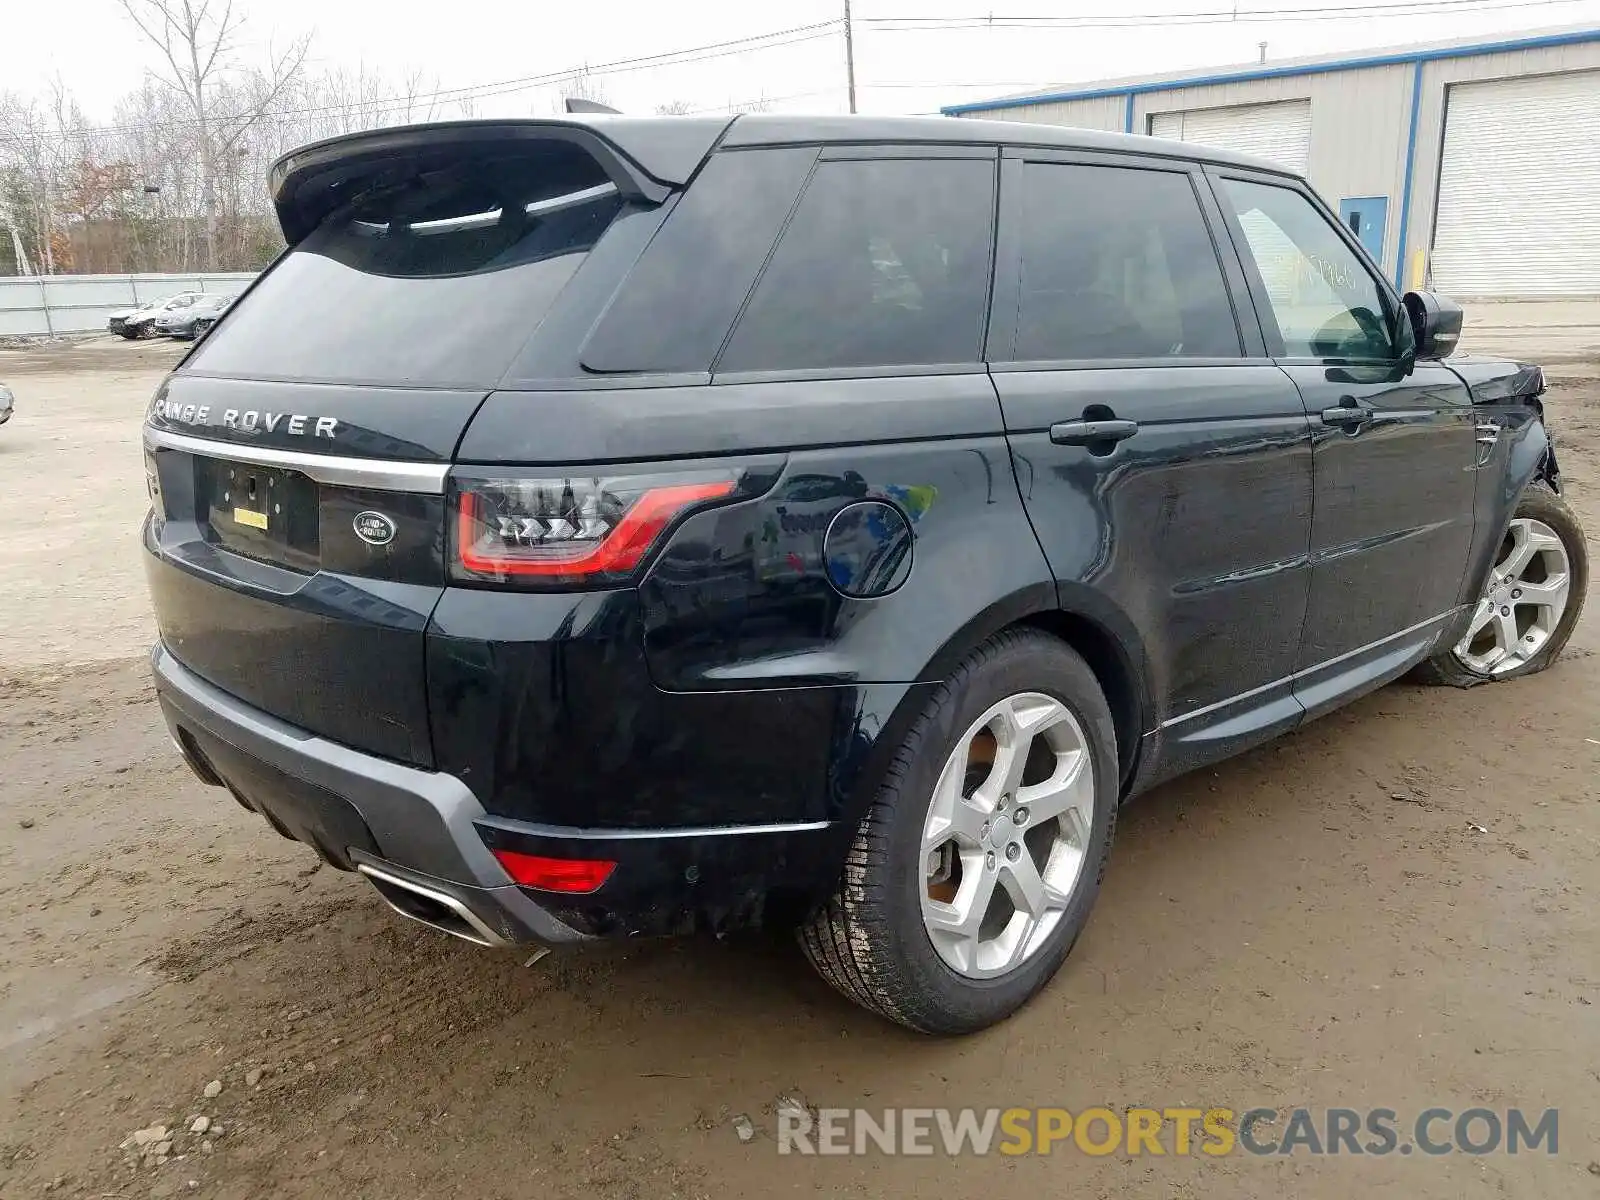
x,y
1572,37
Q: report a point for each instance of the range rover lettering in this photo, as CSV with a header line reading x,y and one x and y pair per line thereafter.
x,y
610,527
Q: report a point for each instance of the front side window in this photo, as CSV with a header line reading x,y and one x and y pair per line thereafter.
x,y
1117,262
1326,303
885,263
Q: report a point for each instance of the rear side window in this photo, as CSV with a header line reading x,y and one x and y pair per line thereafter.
x,y
434,277
677,305
884,263
1118,263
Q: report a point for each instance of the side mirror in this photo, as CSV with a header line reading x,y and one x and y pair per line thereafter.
x,y
1435,323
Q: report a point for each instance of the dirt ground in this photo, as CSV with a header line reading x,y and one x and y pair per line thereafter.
x,y
1399,907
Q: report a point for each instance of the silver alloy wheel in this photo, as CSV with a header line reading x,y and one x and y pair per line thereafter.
x,y
1522,603
1007,835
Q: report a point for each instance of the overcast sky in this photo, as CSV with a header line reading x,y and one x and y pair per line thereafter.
x,y
95,49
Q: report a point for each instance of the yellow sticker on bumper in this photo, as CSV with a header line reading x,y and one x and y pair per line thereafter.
x,y
248,516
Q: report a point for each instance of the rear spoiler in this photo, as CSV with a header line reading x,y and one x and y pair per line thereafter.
x,y
646,157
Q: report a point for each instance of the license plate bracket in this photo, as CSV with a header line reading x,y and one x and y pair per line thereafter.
x,y
266,513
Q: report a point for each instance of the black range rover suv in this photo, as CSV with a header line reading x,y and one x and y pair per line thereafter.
x,y
612,527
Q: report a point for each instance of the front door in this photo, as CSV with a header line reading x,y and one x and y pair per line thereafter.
x,y
1165,462
1393,441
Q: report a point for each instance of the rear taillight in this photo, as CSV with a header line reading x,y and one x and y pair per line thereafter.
x,y
575,876
570,531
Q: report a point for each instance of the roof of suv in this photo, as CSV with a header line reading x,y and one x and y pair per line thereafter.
x,y
306,184
763,129
670,148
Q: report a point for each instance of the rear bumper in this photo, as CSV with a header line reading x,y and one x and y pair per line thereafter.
x,y
419,833
354,808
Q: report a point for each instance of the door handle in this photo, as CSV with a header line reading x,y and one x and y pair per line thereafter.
x,y
1085,433
1348,412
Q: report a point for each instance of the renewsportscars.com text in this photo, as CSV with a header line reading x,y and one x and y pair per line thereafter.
x,y
1178,1131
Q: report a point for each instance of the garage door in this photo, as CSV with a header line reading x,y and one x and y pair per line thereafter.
x,y
1517,188
1280,133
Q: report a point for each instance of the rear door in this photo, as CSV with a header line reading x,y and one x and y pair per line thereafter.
x,y
1165,463
1394,440
297,459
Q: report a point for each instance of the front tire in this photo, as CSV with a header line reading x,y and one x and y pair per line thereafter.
x,y
977,863
1530,603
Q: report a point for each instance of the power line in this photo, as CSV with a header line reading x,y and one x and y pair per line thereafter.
x,y
752,103
774,39
1406,8
815,31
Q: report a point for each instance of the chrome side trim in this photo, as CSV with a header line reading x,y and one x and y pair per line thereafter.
x,y
382,474
1311,670
647,833
554,204
485,935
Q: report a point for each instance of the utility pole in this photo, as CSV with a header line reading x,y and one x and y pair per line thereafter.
x,y
849,56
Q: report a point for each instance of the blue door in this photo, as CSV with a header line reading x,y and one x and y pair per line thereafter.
x,y
1366,216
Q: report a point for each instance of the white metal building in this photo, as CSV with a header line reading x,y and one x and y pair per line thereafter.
x,y
1470,167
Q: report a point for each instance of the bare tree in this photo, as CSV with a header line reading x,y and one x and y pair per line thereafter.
x,y
175,182
41,144
196,40
674,108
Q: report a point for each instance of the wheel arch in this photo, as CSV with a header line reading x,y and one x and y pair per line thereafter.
x,y
1532,457
1529,459
1113,667
1088,623
1095,629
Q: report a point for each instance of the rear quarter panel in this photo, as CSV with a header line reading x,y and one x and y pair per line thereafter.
x,y
740,597
736,683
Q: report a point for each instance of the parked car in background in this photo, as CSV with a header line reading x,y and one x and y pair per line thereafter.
x,y
140,322
6,403
191,320
822,522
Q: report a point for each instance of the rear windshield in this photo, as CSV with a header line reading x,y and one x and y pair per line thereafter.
x,y
435,277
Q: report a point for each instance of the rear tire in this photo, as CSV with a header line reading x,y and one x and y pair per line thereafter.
x,y
1471,657
875,940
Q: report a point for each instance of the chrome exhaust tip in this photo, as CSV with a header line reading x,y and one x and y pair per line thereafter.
x,y
436,909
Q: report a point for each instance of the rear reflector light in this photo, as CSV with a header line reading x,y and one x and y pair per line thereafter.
x,y
571,875
558,531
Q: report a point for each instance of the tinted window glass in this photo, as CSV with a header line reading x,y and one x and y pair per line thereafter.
x,y
1118,263
434,279
885,263
675,309
1326,303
